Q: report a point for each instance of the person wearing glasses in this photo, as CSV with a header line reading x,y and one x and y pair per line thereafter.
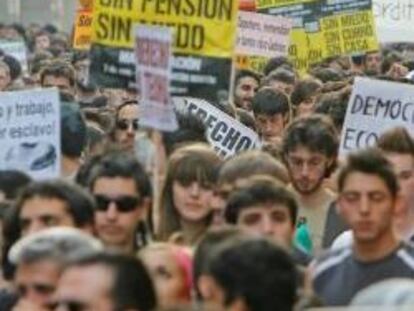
x,y
126,125
122,192
309,149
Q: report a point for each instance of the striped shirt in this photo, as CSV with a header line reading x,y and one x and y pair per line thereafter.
x,y
339,276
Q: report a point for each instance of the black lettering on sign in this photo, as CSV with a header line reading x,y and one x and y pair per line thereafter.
x,y
117,4
113,28
357,139
210,9
244,144
85,21
231,138
219,130
186,36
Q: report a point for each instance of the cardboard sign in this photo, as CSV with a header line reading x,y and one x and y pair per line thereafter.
x,y
153,57
227,135
262,35
374,107
203,44
325,28
394,20
30,132
17,49
83,30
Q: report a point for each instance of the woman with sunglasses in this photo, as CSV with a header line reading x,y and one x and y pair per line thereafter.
x,y
126,125
186,195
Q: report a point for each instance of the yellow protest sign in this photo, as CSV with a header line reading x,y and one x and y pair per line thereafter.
x,y
203,43
200,27
325,28
83,30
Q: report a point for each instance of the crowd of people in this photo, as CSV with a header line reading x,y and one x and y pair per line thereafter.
x,y
142,220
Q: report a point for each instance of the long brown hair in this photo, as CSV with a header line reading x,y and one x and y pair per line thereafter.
x,y
195,162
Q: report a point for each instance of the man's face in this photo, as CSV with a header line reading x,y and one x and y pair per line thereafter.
x,y
268,220
244,92
367,205
88,288
4,78
119,209
373,62
62,83
403,165
39,213
270,127
127,126
36,282
307,169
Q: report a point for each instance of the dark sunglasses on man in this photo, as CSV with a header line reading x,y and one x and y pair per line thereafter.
x,y
67,305
124,124
124,204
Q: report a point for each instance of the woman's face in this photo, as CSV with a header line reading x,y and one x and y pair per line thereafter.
x,y
192,201
126,126
168,277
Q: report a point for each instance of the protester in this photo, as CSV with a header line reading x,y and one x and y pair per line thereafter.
x,y
187,192
105,282
309,149
59,74
246,85
122,193
126,125
40,259
281,79
73,139
236,281
52,203
368,199
304,96
170,267
271,110
265,208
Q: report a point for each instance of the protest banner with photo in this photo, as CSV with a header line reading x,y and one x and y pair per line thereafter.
x,y
374,107
203,44
82,35
260,37
394,20
17,49
30,132
153,74
324,29
227,135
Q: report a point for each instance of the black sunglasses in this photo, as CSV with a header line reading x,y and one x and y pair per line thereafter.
x,y
124,204
124,124
67,304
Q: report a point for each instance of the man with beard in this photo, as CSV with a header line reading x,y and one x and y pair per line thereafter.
x,y
309,149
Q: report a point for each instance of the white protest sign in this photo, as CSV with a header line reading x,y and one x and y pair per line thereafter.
x,y
30,132
262,35
17,49
153,72
394,19
227,135
374,107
